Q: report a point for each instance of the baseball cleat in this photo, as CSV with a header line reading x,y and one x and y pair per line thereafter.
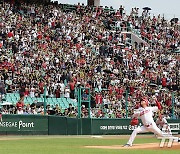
x,y
127,145
176,139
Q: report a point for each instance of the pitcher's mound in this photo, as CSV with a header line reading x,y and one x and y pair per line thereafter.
x,y
138,146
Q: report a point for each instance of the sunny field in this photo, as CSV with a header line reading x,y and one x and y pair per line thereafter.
x,y
75,145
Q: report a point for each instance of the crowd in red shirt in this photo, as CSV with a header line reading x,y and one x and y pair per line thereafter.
x,y
46,45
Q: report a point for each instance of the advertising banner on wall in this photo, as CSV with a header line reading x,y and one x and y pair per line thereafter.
x,y
22,123
55,125
122,126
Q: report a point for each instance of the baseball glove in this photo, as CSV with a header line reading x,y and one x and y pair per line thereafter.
x,y
134,122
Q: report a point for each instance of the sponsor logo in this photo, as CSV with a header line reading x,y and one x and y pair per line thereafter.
x,y
167,139
17,124
174,126
118,127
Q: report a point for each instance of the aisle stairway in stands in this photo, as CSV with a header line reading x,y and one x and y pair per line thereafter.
x,y
133,35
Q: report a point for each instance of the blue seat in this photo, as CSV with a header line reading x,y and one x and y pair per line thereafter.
x,y
54,99
58,99
40,99
71,101
17,95
49,101
14,100
8,99
28,100
63,106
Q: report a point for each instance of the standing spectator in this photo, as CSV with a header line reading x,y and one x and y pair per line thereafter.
x,y
32,92
62,88
164,81
26,92
67,92
8,84
2,89
58,92
99,98
20,105
72,88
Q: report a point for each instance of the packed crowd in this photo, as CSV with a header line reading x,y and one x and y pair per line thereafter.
x,y
42,45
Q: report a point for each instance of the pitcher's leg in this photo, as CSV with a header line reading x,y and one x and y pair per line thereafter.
x,y
141,129
157,131
154,129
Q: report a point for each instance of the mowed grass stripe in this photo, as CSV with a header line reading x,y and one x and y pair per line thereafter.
x,y
70,145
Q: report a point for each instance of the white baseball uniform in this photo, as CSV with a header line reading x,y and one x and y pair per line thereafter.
x,y
146,115
163,125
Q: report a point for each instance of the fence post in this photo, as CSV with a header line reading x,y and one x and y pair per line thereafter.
x,y
173,116
45,88
126,104
79,102
89,103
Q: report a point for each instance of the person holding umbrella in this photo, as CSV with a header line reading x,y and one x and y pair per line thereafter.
x,y
146,11
146,8
175,20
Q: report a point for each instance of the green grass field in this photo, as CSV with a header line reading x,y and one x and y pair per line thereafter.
x,y
72,145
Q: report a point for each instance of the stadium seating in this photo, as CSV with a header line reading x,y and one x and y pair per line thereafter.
x,y
89,40
62,102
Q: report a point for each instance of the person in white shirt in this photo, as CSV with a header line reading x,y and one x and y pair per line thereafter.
x,y
146,114
62,88
67,92
32,92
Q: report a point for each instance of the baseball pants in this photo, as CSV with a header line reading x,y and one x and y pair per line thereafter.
x,y
143,129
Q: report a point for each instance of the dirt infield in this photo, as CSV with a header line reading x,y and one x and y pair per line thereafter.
x,y
121,136
154,146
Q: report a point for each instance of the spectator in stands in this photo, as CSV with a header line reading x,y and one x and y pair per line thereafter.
x,y
46,45
2,89
20,104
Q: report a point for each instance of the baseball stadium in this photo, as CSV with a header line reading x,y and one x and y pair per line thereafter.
x,y
88,78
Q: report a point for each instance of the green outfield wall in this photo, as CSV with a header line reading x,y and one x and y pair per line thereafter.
x,y
55,125
24,124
